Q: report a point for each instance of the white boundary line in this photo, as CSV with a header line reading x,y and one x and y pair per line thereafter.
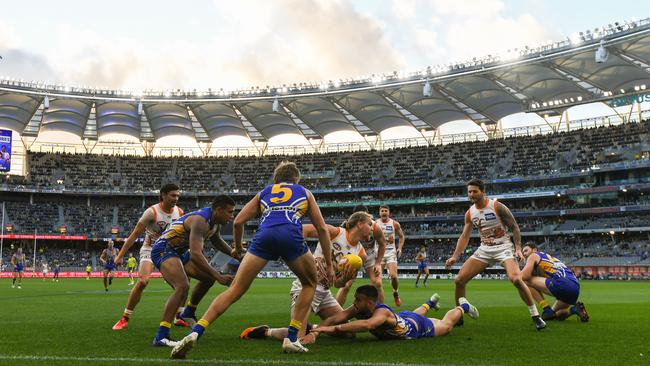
x,y
296,361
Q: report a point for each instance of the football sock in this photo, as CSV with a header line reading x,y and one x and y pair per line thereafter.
x,y
127,314
13,282
200,326
533,310
465,307
163,330
294,328
189,311
572,310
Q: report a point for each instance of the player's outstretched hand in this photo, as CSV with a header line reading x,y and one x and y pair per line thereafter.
x,y
308,338
236,253
331,276
519,255
377,269
450,262
399,253
224,279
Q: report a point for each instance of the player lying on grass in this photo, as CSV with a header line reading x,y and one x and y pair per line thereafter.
x,y
384,323
344,241
544,273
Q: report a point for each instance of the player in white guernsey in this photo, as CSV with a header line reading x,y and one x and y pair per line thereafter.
x,y
153,222
375,248
344,241
391,228
493,221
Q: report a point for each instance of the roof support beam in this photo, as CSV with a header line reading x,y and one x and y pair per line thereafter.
x,y
456,102
399,108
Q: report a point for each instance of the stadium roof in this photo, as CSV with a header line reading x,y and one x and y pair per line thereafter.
x,y
546,79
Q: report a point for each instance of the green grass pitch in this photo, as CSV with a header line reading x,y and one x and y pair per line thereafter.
x,y
69,323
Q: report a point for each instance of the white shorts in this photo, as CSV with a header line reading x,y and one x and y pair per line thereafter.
x,y
389,257
323,298
494,254
371,257
145,253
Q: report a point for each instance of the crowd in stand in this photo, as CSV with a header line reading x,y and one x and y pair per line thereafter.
x,y
512,157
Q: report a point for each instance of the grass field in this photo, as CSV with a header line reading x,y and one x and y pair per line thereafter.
x,y
69,323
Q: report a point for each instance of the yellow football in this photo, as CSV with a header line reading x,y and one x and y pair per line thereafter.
x,y
354,260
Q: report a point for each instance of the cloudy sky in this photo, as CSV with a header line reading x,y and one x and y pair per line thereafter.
x,y
199,44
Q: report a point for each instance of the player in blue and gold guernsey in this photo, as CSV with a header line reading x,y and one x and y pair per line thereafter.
x,y
380,320
178,253
544,273
282,206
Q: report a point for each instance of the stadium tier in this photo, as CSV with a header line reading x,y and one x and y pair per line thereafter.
x,y
582,194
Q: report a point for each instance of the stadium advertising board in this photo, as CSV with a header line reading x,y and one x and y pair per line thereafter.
x,y
5,150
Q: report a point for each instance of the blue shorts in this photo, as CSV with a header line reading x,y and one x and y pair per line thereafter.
x,y
564,289
424,324
422,266
19,268
161,252
282,241
109,266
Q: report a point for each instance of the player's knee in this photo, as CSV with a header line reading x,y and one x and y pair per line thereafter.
x,y
183,288
143,281
460,281
516,279
377,283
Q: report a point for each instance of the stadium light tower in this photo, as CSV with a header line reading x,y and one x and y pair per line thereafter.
x,y
426,91
601,53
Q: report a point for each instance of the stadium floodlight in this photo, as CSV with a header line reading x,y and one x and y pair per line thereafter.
x,y
46,102
579,98
276,105
601,53
426,90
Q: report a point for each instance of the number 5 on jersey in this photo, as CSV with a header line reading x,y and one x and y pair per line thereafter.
x,y
285,193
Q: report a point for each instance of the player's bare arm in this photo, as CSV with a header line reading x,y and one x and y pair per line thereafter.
x,y
323,234
379,317
463,240
221,245
135,234
250,210
509,221
529,269
381,247
400,235
198,228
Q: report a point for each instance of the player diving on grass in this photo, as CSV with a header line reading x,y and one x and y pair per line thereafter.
x,y
375,247
178,253
381,321
344,241
282,206
18,261
493,220
155,219
546,274
107,259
